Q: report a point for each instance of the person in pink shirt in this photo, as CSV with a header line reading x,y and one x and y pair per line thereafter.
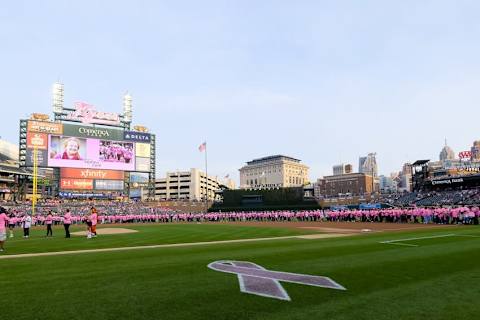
x,y
94,219
3,229
12,219
48,222
67,220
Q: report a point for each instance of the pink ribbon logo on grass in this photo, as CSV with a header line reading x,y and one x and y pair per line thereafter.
x,y
255,279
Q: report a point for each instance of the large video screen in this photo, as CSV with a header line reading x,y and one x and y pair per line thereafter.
x,y
87,147
74,152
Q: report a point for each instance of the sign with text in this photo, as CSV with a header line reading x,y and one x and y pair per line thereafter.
x,y
77,173
465,155
447,181
142,150
41,158
109,185
92,132
136,136
86,113
76,184
38,140
142,164
45,127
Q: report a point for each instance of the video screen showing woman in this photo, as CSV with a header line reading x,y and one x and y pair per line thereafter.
x,y
67,148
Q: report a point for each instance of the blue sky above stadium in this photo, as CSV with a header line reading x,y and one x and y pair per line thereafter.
x,y
322,81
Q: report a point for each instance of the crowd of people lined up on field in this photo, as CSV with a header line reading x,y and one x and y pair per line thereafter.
x,y
117,212
139,213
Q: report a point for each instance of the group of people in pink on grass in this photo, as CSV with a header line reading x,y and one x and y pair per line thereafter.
x,y
465,215
68,215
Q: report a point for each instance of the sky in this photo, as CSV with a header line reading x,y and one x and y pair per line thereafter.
x,y
321,81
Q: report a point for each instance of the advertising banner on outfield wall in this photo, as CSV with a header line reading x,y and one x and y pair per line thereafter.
x,y
83,195
41,158
136,136
92,132
45,127
78,173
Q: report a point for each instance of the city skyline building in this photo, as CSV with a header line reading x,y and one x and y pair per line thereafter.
x,y
368,165
350,184
188,185
342,169
276,171
447,153
476,150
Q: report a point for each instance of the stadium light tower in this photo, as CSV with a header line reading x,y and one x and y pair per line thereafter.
x,y
127,107
57,97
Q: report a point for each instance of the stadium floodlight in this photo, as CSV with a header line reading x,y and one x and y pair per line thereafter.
x,y
57,97
127,107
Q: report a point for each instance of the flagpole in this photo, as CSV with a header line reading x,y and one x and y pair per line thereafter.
x,y
206,179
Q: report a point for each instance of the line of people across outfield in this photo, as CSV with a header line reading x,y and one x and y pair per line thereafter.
x,y
13,218
464,215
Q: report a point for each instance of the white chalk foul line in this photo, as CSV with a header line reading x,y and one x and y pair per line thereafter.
x,y
398,241
172,245
156,246
401,244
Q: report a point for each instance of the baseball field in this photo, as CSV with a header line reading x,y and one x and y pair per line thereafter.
x,y
198,271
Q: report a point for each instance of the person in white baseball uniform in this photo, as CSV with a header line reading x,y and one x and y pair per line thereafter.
x,y
27,223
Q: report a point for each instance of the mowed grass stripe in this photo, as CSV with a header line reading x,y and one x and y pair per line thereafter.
x,y
383,282
146,235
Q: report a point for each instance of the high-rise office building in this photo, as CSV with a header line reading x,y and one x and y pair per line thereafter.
x,y
368,165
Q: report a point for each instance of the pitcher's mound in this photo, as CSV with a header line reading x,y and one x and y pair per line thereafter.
x,y
101,231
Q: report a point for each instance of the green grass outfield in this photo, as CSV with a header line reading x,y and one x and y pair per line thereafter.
x,y
432,278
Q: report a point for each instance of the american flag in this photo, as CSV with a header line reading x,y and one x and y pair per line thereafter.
x,y
202,147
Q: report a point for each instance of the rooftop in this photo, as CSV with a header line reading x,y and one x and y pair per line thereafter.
x,y
272,158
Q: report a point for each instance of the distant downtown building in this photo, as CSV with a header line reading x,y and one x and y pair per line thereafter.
x,y
344,184
273,172
342,169
447,153
368,165
187,185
